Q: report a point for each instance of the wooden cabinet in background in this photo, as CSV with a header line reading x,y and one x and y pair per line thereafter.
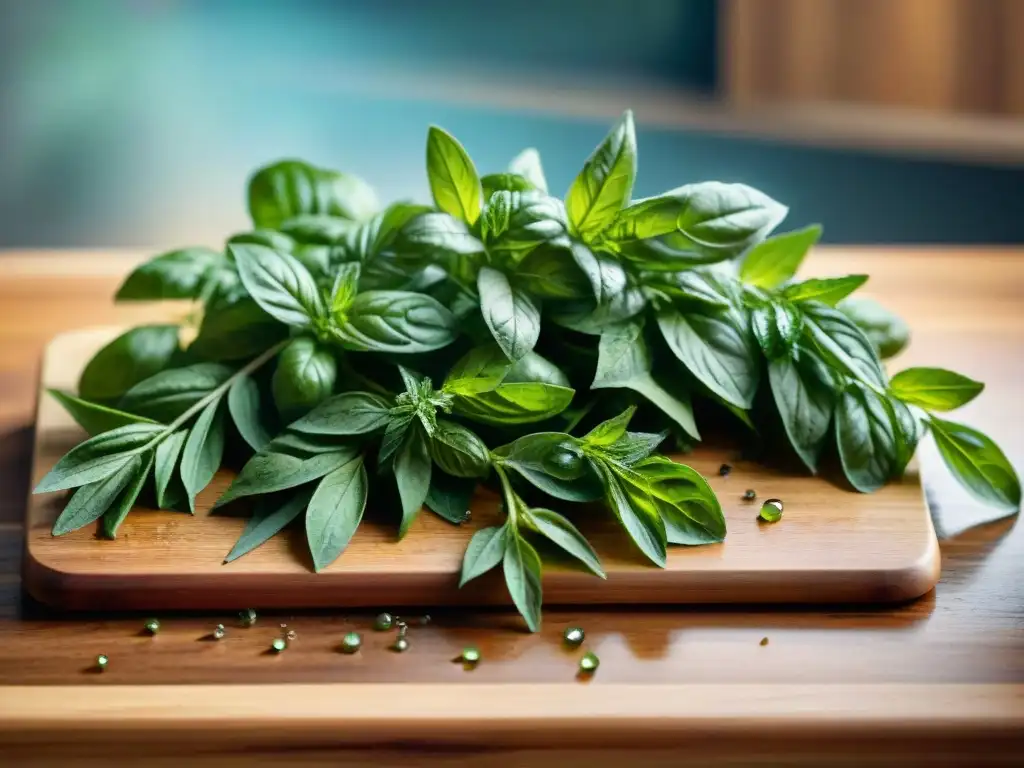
x,y
951,56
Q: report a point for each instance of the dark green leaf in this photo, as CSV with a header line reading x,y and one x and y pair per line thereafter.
x,y
527,164
271,515
777,326
280,284
305,376
449,497
203,451
934,389
623,360
634,447
400,420
291,187
829,290
374,238
178,274
560,531
236,331
98,457
776,260
713,222
805,402
888,333
615,299
485,550
412,473
458,451
322,230
130,358
553,462
610,431
691,286
717,348
550,272
978,464
685,501
510,314
93,417
170,393
628,495
169,488
521,564
518,222
249,419
454,182
866,438
438,238
841,343
605,184
481,369
89,502
335,512
125,501
504,182
350,413
271,238
396,321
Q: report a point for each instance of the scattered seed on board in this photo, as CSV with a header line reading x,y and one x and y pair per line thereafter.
x,y
247,617
383,622
470,656
771,511
279,644
764,641
101,662
152,626
400,645
219,632
573,636
749,495
351,642
589,663
725,469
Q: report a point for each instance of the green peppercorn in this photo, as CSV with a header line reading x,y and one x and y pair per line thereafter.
x,y
219,632
247,617
101,662
589,663
351,642
152,626
573,636
279,644
470,656
383,622
749,495
771,511
400,645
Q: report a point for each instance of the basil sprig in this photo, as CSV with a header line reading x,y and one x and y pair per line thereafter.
x,y
475,340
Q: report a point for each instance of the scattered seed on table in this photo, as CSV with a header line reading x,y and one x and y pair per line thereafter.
x,y
573,636
152,626
219,632
400,645
589,663
247,617
749,495
351,642
279,644
383,622
470,656
725,469
771,511
764,641
101,662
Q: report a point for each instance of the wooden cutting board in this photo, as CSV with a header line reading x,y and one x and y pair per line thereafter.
x,y
832,545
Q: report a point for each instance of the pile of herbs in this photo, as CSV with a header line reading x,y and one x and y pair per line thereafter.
x,y
434,348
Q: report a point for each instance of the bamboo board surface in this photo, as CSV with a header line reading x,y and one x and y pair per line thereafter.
x,y
832,545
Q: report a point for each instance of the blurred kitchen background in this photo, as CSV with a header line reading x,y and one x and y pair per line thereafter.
x,y
134,123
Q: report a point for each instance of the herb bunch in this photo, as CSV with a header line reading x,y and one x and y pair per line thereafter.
x,y
436,348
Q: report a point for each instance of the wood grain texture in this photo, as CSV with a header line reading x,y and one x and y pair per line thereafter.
x,y
832,545
961,647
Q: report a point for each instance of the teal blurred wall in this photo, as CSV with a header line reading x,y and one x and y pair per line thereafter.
x,y
135,122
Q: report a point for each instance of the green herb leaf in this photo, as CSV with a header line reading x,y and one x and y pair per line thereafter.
x,y
350,413
611,431
776,260
605,184
510,314
694,224
634,447
289,188
481,369
89,502
554,462
514,403
270,516
684,500
399,421
717,348
346,285
934,389
249,419
458,451
412,473
628,495
566,536
888,334
830,290
454,182
125,501
98,458
866,438
335,512
689,287
440,238
168,394
504,182
521,564
624,360
805,402
550,272
515,223
169,488
449,497
842,344
527,164
236,331
396,321
312,229
978,463
280,284
485,550
204,449
777,325
93,417
305,376
178,274
130,358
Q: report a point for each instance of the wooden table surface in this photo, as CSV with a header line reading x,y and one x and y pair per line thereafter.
x,y
938,681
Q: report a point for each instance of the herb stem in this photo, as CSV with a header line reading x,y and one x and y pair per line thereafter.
x,y
511,500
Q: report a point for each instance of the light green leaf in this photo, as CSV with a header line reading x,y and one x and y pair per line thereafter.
x,y
978,464
280,284
934,389
829,290
396,321
514,403
288,188
776,260
485,550
98,457
527,164
412,473
504,182
605,184
685,501
481,369
454,182
628,495
93,417
566,536
608,432
89,502
521,564
271,515
178,274
130,358
203,451
510,314
335,511
517,222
